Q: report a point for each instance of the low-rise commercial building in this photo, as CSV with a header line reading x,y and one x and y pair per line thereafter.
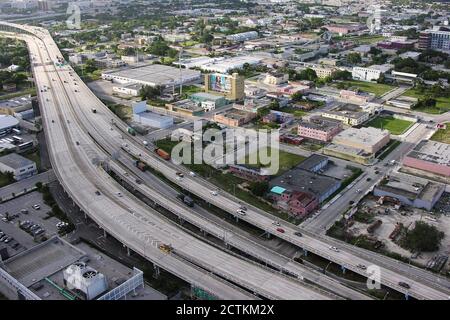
x,y
301,180
147,118
7,123
249,173
371,73
19,166
276,78
369,139
234,117
153,75
348,114
410,190
430,156
319,128
15,105
208,101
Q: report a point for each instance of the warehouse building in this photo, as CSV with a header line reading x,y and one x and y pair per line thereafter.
x,y
15,105
370,140
410,190
358,145
300,180
153,75
19,166
430,156
7,123
147,118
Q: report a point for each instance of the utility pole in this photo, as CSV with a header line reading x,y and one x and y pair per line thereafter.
x,y
181,72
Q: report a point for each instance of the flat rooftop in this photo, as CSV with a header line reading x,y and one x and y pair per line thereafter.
x,y
301,180
411,186
41,261
320,123
312,161
432,151
15,161
155,73
367,135
234,114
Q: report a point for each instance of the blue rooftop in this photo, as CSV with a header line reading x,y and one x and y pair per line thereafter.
x,y
278,190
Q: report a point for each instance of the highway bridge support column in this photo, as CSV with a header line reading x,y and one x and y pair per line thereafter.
x,y
305,252
343,269
157,271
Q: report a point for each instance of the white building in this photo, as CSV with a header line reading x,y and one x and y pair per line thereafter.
x,y
371,73
145,117
19,166
244,36
132,89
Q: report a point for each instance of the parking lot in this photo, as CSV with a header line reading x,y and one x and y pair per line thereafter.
x,y
20,210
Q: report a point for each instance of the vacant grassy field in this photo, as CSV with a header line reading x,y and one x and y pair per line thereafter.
x,y
442,135
378,89
296,112
442,104
395,126
287,160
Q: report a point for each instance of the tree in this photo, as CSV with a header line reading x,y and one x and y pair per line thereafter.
x,y
341,75
259,188
307,74
423,237
149,93
297,96
354,58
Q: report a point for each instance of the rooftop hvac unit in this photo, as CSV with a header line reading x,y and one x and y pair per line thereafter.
x,y
85,279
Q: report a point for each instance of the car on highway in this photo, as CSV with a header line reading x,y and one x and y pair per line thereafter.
x,y
358,191
97,193
214,193
369,179
280,230
276,223
180,174
404,285
241,212
119,194
361,266
298,234
333,249
351,202
243,208
192,174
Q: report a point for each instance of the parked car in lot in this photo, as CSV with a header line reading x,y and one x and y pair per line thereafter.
x,y
36,207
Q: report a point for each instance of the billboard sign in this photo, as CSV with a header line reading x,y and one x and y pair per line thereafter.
x,y
220,83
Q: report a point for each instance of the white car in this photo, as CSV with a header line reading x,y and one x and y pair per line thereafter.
x,y
214,193
334,249
192,174
36,207
276,223
241,212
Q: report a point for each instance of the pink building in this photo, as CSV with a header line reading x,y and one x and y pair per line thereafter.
x,y
430,156
319,128
296,203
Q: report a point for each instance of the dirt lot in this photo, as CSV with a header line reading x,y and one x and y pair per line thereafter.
x,y
407,216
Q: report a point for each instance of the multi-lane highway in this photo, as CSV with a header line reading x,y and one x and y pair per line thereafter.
x,y
78,97
75,154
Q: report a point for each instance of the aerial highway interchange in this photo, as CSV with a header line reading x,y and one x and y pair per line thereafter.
x,y
80,140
